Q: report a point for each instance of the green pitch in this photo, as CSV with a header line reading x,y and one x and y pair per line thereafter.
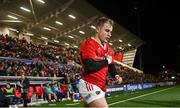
x,y
155,97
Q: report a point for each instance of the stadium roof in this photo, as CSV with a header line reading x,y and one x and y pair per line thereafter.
x,y
60,20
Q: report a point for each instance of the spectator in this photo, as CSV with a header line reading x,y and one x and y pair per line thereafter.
x,y
49,95
24,84
70,92
9,95
57,90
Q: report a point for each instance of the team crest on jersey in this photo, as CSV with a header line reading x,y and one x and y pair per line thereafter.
x,y
98,92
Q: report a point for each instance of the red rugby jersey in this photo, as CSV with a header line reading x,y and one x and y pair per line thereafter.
x,y
92,49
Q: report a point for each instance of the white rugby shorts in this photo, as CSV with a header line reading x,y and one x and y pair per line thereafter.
x,y
89,92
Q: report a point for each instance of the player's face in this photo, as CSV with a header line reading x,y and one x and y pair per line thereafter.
x,y
104,32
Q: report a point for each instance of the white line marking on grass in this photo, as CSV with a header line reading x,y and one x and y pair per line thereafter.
x,y
52,104
139,96
73,104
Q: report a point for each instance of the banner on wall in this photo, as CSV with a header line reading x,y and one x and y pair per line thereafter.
x,y
134,87
114,88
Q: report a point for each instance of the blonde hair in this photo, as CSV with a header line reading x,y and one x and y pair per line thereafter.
x,y
103,20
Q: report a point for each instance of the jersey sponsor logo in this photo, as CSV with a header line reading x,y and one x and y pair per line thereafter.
x,y
98,92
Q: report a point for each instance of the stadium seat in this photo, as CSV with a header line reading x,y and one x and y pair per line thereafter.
x,y
17,93
39,91
63,88
31,89
30,92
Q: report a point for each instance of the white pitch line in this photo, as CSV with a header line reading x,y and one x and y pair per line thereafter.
x,y
138,96
73,104
52,104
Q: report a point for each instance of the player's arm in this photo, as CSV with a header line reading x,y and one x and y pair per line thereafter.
x,y
93,66
19,84
112,70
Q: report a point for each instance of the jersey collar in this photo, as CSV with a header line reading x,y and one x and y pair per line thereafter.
x,y
104,47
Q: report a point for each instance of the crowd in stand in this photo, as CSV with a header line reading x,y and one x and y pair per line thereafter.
x,y
16,68
13,47
132,77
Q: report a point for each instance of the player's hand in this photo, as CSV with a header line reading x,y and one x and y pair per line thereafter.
x,y
118,79
109,59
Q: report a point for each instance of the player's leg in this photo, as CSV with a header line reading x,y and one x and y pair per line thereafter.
x,y
92,95
98,103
